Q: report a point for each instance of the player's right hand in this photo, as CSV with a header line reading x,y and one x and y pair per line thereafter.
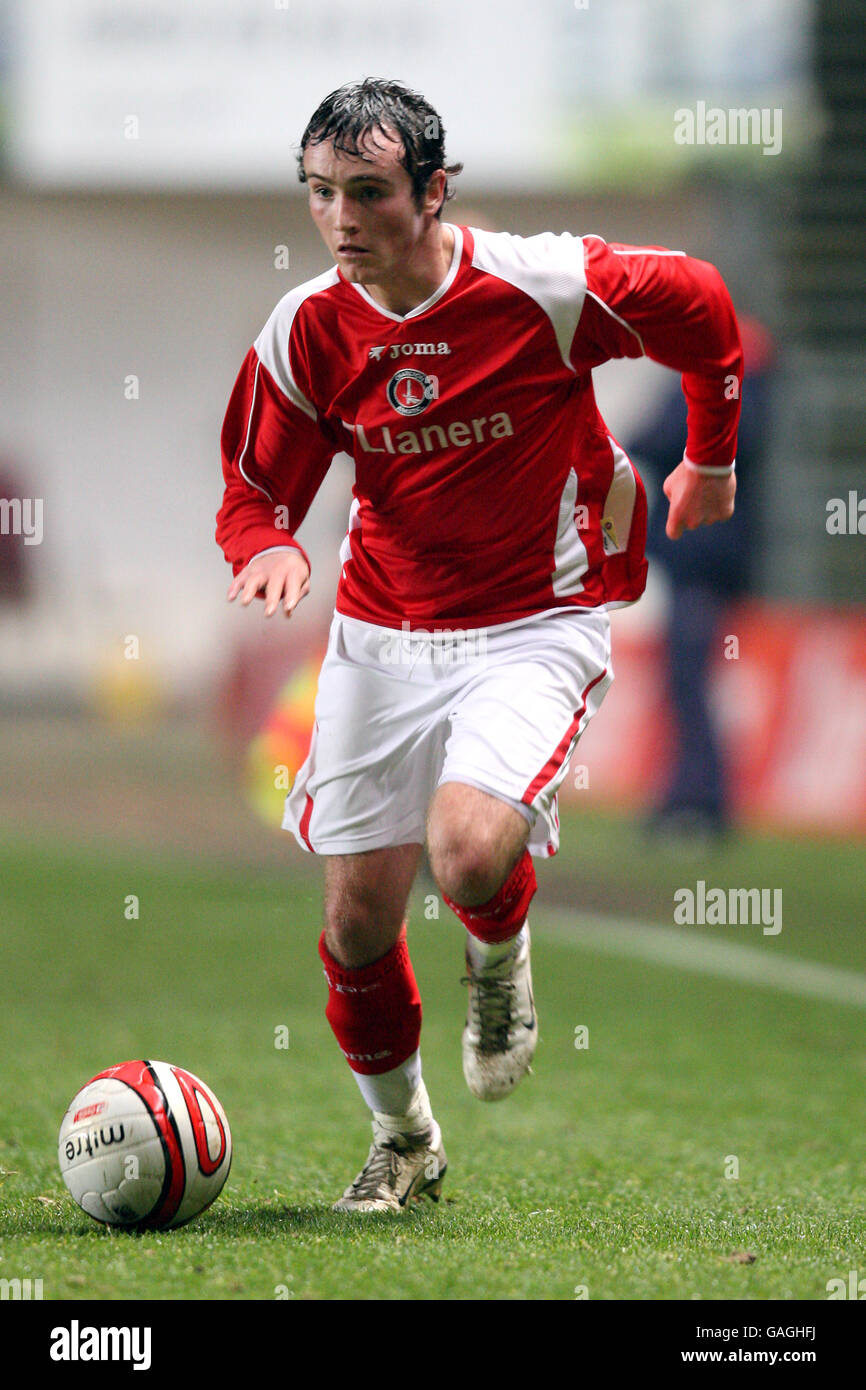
x,y
284,575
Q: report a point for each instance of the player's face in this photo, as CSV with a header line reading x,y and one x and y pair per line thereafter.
x,y
365,211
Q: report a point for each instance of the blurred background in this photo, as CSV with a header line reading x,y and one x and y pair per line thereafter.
x,y
150,220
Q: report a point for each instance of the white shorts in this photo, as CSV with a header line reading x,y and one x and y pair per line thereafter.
x,y
399,713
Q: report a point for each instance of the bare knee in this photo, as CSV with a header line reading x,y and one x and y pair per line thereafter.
x,y
358,929
473,842
464,872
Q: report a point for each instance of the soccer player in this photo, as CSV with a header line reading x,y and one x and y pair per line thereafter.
x,y
494,523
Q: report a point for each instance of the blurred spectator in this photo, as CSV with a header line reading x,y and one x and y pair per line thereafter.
x,y
708,569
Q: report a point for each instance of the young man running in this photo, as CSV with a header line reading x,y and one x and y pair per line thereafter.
x,y
494,523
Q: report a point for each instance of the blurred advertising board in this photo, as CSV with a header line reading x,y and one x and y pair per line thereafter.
x,y
790,701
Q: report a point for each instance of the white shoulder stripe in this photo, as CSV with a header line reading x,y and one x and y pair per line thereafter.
x,y
548,268
631,250
643,251
625,325
272,344
241,468
626,251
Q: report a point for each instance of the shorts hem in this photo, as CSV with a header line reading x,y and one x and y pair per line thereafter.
x,y
380,839
529,813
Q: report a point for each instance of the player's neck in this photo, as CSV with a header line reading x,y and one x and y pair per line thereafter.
x,y
421,277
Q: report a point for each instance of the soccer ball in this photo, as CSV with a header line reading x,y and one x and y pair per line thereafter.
x,y
145,1144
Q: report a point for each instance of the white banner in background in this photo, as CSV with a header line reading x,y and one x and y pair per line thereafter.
x,y
535,95
216,93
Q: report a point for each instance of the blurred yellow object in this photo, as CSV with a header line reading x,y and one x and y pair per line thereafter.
x,y
125,691
279,749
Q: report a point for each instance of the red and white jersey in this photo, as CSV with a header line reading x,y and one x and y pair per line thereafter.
x,y
487,486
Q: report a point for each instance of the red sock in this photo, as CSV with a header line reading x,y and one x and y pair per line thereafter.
x,y
375,1011
505,913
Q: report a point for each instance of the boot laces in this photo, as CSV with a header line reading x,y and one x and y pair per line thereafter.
x,y
379,1173
492,1003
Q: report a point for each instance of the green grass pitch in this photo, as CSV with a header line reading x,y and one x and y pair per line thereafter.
x,y
607,1175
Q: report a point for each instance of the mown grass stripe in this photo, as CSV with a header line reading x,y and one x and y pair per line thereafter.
x,y
765,967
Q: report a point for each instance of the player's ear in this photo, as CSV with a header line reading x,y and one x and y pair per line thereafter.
x,y
434,196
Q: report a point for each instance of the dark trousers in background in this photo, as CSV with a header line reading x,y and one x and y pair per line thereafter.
x,y
697,784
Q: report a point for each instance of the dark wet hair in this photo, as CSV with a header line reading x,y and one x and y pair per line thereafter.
x,y
350,115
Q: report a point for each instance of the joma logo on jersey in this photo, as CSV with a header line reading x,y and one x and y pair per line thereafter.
x,y
411,391
410,350
458,434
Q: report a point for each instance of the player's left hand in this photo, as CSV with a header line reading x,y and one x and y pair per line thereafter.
x,y
697,499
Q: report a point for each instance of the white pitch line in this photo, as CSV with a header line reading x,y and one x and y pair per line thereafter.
x,y
688,950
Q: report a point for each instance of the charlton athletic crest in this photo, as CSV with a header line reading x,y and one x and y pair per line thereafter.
x,y
411,391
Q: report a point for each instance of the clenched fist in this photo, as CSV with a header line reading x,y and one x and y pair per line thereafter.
x,y
697,499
